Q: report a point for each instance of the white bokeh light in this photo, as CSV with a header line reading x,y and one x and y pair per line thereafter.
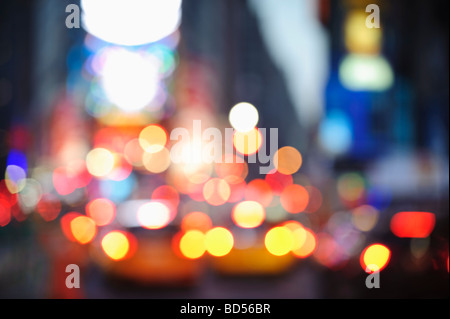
x,y
153,215
131,22
359,72
243,117
130,79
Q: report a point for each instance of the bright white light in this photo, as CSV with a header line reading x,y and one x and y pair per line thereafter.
x,y
243,117
131,22
153,215
359,72
130,79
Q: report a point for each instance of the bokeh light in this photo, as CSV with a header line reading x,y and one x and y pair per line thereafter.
x,y
130,79
278,181
243,117
248,214
17,158
259,190
196,221
359,38
5,213
116,245
131,23
279,241
101,210
351,187
287,160
192,244
83,229
248,143
117,191
100,162
335,133
308,246
359,72
294,199
375,258
219,241
15,178
216,191
153,138
413,224
49,207
168,195
365,217
156,162
154,215
134,153
230,168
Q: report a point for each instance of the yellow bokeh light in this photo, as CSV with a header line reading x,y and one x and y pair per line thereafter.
x,y
358,37
243,117
279,241
248,143
219,241
100,162
153,138
248,214
375,258
192,244
287,160
115,245
83,229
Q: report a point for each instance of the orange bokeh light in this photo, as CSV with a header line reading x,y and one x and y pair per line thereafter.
x,y
288,160
101,210
196,220
157,161
83,229
294,199
309,245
